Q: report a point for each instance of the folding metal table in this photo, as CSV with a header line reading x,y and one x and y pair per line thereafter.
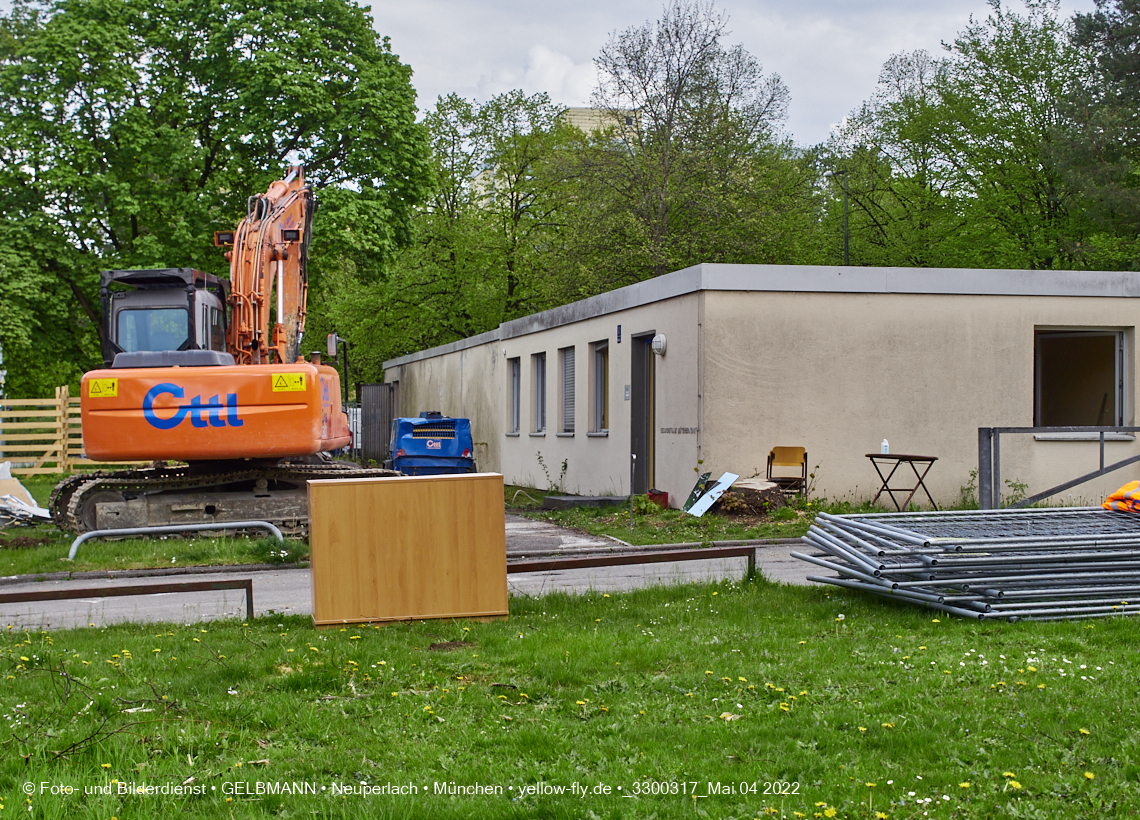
x,y
894,461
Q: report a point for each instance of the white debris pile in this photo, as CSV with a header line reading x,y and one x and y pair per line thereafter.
x,y
16,503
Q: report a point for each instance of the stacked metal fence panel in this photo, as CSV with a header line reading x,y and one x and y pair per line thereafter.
x,y
1053,564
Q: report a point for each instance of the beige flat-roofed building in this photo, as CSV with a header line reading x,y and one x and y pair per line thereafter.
x,y
832,359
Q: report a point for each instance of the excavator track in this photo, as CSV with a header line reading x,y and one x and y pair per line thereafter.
x,y
204,497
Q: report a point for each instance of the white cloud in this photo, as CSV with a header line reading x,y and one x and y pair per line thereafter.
x,y
828,52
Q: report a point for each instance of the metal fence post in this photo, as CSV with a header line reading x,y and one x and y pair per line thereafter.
x,y
996,467
985,468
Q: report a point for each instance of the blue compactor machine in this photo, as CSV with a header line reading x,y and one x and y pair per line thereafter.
x,y
431,445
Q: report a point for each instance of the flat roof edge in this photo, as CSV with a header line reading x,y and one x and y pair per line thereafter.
x,y
808,279
932,281
443,350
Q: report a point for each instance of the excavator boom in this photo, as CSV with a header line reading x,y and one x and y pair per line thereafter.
x,y
268,276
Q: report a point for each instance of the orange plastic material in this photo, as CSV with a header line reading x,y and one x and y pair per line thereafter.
x,y
1126,499
208,413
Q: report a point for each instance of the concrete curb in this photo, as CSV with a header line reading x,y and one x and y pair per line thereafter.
x,y
155,572
159,572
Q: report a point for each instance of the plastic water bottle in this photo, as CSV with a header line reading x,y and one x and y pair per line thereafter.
x,y
885,447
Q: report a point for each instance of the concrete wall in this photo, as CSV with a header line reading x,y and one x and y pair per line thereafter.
x,y
833,359
465,383
474,382
838,372
600,464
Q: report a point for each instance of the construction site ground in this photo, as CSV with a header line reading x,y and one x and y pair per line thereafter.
x,y
288,590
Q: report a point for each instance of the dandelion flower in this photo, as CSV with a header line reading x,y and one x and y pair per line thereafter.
x,y
1084,731
1008,774
936,621
862,728
965,784
829,812
1089,776
1013,784
888,725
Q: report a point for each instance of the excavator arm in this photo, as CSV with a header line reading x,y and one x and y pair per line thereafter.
x,y
268,276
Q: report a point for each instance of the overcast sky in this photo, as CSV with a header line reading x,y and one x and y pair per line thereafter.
x,y
828,52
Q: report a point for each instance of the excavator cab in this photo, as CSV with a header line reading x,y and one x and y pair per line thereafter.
x,y
171,311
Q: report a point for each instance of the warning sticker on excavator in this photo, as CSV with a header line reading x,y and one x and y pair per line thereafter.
x,y
103,388
288,382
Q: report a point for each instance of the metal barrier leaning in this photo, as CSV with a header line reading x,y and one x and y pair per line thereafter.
x,y
989,462
620,559
138,589
174,528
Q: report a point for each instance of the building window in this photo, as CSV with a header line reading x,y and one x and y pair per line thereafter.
x,y
514,366
1079,378
566,356
600,387
538,362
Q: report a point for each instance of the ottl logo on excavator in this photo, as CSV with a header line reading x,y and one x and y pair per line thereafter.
x,y
201,415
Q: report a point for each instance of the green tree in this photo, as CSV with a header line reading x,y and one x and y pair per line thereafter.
x,y
1004,86
690,167
888,157
133,130
952,162
1098,146
485,238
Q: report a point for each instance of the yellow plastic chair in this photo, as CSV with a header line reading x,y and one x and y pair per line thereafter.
x,y
789,457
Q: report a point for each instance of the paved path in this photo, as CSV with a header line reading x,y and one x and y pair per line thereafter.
x,y
289,591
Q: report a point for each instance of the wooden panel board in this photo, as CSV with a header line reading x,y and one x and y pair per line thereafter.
x,y
397,549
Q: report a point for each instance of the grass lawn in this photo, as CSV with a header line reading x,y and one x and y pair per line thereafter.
x,y
694,701
651,526
50,555
654,526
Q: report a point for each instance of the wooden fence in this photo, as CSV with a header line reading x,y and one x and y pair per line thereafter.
x,y
43,435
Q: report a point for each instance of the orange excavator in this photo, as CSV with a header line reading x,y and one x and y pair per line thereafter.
x,y
202,378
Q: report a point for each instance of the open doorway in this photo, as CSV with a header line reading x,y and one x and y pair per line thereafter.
x,y
641,409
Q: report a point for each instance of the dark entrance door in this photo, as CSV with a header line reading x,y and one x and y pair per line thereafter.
x,y
641,408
